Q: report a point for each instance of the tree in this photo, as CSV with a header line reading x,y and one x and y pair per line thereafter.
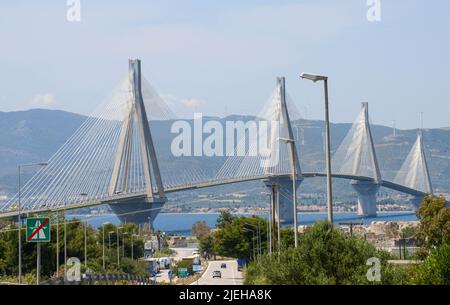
x,y
224,218
206,246
183,264
434,228
324,256
238,236
436,268
201,229
408,232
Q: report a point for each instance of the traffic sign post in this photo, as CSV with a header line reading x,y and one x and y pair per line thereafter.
x,y
38,231
170,276
197,268
183,273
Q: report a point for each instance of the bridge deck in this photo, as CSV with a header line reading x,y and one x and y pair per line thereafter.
x,y
170,189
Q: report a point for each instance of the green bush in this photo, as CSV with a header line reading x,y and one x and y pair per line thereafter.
x,y
324,256
183,264
435,270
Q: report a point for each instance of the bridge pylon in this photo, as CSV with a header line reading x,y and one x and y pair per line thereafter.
x,y
356,156
414,171
283,181
135,138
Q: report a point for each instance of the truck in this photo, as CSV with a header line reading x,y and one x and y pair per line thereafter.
x,y
165,262
152,265
241,262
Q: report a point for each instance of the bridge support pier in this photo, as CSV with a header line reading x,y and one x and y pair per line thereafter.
x,y
367,199
282,188
138,211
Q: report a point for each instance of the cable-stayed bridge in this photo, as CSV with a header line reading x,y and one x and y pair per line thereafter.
x,y
113,158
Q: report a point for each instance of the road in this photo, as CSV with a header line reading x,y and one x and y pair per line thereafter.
x,y
230,274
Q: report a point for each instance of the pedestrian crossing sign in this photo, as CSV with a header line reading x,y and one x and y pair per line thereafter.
x,y
38,229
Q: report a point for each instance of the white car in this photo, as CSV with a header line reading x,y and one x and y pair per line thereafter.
x,y
216,273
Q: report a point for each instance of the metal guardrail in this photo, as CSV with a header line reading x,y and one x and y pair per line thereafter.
x,y
103,279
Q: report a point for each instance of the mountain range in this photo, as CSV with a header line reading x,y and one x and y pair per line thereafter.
x,y
35,135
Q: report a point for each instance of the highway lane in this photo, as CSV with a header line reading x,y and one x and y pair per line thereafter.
x,y
230,274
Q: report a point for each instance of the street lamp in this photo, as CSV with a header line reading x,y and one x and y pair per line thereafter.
x,y
294,190
118,245
123,243
315,78
103,243
109,240
65,239
132,247
19,210
253,240
65,236
85,243
258,238
269,226
57,243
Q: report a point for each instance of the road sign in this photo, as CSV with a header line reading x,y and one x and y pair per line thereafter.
x,y
197,268
38,229
182,272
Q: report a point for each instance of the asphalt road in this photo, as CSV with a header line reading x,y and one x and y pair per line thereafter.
x,y
230,274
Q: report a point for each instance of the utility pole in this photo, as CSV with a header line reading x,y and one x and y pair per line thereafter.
x,y
103,245
85,244
57,243
118,252
315,78
19,211
38,263
65,240
278,221
350,224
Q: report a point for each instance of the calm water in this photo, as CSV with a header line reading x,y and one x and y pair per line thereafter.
x,y
182,222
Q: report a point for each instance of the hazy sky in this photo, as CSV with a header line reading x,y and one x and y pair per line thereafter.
x,y
222,57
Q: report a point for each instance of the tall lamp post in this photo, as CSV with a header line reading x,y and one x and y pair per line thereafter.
x,y
118,245
294,190
132,246
85,243
315,78
253,240
258,238
65,237
19,211
103,243
123,243
109,242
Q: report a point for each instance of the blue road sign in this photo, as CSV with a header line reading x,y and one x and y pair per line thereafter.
x,y
197,268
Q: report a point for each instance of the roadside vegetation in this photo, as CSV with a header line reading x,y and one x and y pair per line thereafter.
x,y
326,255
75,248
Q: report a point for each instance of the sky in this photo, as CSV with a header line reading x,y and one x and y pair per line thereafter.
x,y
223,57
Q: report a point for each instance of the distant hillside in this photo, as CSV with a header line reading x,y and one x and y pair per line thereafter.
x,y
35,135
